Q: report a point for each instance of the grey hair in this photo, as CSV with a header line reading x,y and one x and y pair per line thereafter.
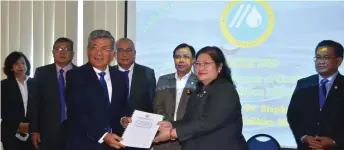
x,y
125,40
98,34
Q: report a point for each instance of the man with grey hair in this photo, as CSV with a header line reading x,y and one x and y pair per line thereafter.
x,y
96,95
140,80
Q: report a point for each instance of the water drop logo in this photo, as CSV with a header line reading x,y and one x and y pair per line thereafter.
x,y
247,24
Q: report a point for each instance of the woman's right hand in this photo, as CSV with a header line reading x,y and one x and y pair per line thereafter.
x,y
165,125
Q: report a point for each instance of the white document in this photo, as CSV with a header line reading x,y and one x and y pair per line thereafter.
x,y
142,130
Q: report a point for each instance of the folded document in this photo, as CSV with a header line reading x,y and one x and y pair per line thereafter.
x,y
142,130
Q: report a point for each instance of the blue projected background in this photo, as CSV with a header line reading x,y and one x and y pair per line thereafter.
x,y
269,46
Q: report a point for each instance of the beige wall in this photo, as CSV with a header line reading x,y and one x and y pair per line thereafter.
x,y
32,26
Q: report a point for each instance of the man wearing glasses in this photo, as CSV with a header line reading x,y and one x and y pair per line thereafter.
x,y
95,95
173,90
48,110
140,80
316,114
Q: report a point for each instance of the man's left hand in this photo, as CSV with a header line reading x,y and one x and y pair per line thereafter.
x,y
325,142
125,121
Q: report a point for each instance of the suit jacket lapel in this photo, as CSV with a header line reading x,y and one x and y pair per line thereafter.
x,y
333,94
190,85
135,78
94,83
31,94
18,95
55,84
113,82
172,82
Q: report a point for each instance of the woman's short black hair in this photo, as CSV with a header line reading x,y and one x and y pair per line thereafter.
x,y
11,59
218,57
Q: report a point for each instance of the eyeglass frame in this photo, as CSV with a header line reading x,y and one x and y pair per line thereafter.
x,y
127,50
59,49
325,58
205,65
102,48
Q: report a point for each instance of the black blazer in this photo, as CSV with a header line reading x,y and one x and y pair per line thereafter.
x,y
142,89
89,111
12,107
46,108
212,119
304,115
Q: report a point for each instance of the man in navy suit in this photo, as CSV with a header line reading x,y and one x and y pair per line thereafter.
x,y
95,96
315,113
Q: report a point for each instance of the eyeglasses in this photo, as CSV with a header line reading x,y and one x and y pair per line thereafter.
x,y
122,50
104,49
60,49
325,58
205,64
181,57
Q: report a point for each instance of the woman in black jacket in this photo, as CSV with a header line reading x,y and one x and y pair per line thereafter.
x,y
16,93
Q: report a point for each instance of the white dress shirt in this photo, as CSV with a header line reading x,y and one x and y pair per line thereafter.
x,y
25,95
329,83
180,85
107,79
130,74
65,69
24,92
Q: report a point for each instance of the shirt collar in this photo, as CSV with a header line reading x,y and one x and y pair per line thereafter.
x,y
330,78
27,78
99,71
184,77
131,68
66,68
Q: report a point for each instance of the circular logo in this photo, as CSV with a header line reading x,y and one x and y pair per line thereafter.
x,y
247,24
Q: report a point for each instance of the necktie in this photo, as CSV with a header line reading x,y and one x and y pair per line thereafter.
x,y
103,84
322,92
126,78
62,98
106,94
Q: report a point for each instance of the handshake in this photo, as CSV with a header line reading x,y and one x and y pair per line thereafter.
x,y
166,132
142,133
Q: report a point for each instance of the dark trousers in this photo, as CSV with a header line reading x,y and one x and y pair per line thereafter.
x,y
56,140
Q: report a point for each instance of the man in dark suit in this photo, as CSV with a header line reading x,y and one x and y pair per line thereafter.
x,y
49,113
173,90
316,114
140,80
95,96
